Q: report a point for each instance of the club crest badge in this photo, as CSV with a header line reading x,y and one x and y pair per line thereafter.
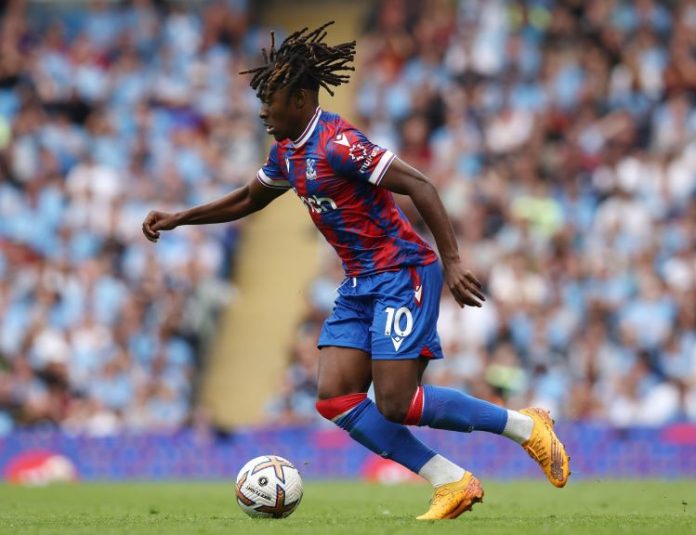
x,y
311,173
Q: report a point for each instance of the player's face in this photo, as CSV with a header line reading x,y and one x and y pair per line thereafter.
x,y
282,114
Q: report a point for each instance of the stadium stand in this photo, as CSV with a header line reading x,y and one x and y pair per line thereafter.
x,y
562,137
560,134
106,111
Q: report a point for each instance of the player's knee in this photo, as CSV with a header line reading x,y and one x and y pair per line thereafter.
x,y
392,408
322,409
332,408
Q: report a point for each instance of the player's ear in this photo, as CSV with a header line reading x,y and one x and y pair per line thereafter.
x,y
300,98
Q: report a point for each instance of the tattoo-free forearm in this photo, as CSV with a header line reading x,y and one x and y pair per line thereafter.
x,y
231,207
429,205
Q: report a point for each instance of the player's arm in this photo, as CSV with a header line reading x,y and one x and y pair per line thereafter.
x,y
238,204
403,179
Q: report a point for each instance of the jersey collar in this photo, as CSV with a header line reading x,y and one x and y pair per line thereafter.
x,y
307,131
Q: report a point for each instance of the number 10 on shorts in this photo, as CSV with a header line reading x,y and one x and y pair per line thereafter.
x,y
396,323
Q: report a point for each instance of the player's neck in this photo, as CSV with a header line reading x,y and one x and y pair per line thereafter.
x,y
305,118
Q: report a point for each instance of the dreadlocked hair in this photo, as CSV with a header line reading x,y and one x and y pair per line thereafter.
x,y
303,59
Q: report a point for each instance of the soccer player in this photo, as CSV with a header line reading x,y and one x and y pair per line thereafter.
x,y
382,330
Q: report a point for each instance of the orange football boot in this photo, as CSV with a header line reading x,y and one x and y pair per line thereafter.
x,y
545,448
453,499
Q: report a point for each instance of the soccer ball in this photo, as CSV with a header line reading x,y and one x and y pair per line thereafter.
x,y
269,487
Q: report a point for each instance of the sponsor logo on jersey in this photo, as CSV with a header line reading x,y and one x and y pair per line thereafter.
x,y
418,293
341,139
368,161
397,341
311,172
318,205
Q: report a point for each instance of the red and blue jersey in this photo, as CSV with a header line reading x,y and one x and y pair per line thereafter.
x,y
336,171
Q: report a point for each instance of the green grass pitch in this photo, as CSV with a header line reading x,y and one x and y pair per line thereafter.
x,y
351,508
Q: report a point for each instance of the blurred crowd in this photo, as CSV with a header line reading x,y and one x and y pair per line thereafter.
x,y
560,134
562,138
109,110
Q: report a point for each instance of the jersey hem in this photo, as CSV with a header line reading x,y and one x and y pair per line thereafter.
x,y
407,356
346,345
387,270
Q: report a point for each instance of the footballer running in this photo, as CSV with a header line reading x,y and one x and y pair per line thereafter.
x,y
383,328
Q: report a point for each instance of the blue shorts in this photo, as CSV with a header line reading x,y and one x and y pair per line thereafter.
x,y
391,315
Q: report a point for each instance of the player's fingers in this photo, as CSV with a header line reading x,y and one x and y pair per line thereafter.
x,y
475,291
467,289
473,302
458,297
153,237
162,223
470,295
147,223
463,296
471,278
149,233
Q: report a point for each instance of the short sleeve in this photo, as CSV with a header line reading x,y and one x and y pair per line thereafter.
x,y
352,155
271,174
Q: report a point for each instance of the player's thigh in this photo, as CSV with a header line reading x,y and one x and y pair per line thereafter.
x,y
404,336
348,325
342,371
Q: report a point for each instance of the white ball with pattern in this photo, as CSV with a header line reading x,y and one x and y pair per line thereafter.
x,y
269,487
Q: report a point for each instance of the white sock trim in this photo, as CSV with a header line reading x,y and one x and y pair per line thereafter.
x,y
518,427
440,471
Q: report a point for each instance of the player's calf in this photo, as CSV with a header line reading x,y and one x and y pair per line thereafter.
x,y
358,415
447,408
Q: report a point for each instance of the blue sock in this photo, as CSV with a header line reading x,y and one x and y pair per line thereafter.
x,y
366,425
446,408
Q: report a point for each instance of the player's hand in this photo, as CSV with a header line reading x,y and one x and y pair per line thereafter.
x,y
465,288
156,221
